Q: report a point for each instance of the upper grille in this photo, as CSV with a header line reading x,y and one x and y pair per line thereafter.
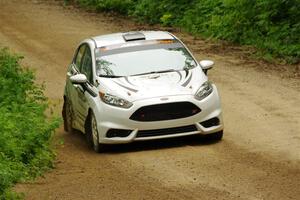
x,y
167,111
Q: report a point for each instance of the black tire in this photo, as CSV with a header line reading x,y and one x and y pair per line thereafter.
x,y
92,134
68,117
215,136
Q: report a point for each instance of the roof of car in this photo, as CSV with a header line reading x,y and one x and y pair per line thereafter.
x,y
118,38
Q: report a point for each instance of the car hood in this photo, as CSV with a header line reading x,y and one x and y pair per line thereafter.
x,y
134,88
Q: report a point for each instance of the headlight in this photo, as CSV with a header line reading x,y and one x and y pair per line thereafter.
x,y
114,100
205,89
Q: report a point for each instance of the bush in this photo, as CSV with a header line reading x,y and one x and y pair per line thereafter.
x,y
25,130
121,6
270,25
170,11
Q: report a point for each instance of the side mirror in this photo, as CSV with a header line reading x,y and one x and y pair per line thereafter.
x,y
206,65
78,79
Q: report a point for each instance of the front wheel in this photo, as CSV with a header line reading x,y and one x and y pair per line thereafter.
x,y
68,117
93,135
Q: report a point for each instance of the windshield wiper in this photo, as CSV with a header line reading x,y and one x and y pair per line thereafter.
x,y
156,72
110,76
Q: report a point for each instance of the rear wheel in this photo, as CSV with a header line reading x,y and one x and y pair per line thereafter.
x,y
215,136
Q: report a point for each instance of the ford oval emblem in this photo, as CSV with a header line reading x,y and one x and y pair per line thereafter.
x,y
164,99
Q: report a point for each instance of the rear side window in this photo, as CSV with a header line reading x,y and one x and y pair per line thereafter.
x,y
78,59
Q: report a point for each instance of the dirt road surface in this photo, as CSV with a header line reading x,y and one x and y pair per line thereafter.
x,y
259,157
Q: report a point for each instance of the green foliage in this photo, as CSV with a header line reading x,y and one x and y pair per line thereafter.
x,y
168,12
25,131
270,25
121,6
166,19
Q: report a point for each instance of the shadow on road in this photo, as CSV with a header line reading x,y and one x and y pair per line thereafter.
x,y
160,144
78,139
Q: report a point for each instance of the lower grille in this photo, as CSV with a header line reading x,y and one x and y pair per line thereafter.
x,y
167,111
211,122
166,131
118,133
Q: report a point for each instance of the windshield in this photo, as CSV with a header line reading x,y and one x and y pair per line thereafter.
x,y
143,59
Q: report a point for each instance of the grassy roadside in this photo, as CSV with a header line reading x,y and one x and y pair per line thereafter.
x,y
271,26
25,132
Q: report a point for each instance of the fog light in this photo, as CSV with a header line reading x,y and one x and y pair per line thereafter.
x,y
118,133
211,122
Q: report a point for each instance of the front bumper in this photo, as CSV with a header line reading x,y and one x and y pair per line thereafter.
x,y
110,117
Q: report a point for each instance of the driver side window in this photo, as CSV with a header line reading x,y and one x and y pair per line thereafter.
x,y
83,62
86,65
78,59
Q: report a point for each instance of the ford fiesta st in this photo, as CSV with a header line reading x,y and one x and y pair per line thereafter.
x,y
135,86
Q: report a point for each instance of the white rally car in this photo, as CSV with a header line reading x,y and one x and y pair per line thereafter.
x,y
135,86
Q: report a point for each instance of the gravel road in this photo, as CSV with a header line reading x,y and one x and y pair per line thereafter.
x,y
259,157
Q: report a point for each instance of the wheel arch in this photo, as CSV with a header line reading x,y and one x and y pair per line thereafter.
x,y
87,120
63,112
